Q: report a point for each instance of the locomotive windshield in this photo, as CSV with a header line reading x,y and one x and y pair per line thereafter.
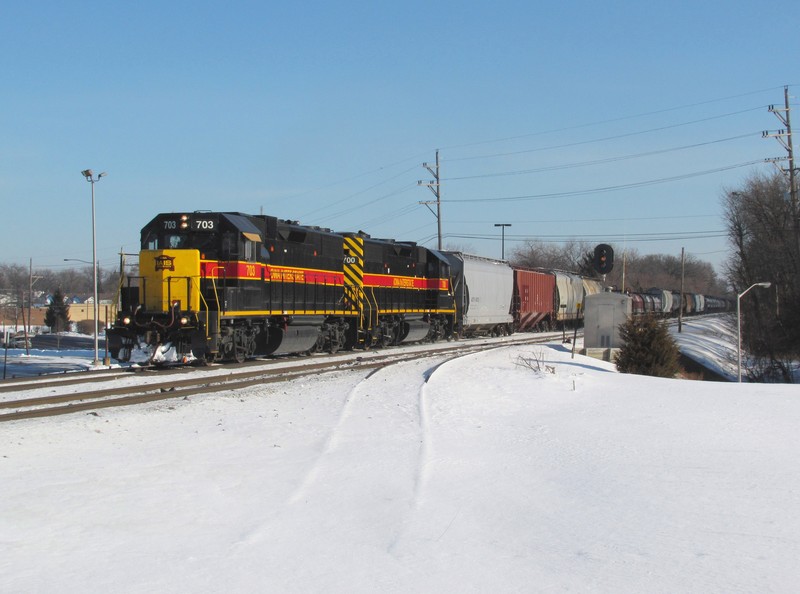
x,y
228,236
166,241
179,231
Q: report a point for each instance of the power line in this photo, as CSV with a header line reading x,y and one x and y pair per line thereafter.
x,y
596,220
392,216
600,190
634,237
605,138
476,143
353,177
612,120
601,161
353,195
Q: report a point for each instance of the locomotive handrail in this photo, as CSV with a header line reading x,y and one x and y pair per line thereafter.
x,y
142,286
207,308
216,296
373,311
118,296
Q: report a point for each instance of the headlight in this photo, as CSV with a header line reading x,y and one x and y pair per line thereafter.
x,y
184,320
126,320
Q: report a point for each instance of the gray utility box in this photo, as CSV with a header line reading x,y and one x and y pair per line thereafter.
x,y
603,315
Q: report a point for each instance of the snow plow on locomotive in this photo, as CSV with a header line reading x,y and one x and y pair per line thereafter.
x,y
229,286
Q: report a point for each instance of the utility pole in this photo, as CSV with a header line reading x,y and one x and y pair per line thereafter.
x,y
24,327
435,187
30,292
624,254
31,280
785,138
680,307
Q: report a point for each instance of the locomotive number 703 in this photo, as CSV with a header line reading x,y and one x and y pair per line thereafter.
x,y
203,225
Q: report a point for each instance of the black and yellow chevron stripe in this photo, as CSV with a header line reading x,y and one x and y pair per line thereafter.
x,y
354,263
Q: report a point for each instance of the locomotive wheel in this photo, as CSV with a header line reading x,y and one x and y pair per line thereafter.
x,y
240,345
337,342
386,338
239,354
337,338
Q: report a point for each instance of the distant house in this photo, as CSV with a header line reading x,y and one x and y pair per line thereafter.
x,y
106,309
48,300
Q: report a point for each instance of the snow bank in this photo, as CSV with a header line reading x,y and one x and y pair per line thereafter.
x,y
522,469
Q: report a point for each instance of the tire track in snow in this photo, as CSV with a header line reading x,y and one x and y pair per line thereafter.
x,y
331,441
372,398
368,465
426,455
423,523
369,476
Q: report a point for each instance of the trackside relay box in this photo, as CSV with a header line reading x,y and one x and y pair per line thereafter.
x,y
603,315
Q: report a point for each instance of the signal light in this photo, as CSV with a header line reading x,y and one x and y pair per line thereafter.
x,y
603,258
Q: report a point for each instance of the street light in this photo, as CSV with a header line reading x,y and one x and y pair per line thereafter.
x,y
503,238
89,175
739,326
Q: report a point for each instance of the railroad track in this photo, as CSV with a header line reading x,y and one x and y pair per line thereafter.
x,y
68,396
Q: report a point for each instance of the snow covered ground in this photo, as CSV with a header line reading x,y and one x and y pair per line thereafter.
x,y
711,341
519,470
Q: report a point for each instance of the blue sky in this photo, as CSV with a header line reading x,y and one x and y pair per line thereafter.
x,y
554,117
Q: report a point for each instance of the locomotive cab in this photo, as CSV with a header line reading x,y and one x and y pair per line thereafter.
x,y
171,300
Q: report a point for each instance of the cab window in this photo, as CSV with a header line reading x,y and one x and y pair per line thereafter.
x,y
249,250
174,242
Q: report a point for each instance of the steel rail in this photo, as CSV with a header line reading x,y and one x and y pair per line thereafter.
x,y
61,404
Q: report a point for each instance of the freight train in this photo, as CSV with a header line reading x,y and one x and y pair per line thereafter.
x,y
226,286
222,286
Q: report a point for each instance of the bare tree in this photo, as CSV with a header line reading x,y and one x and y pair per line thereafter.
x,y
641,272
537,254
14,278
760,220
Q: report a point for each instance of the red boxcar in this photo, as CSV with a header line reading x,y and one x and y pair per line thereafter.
x,y
534,299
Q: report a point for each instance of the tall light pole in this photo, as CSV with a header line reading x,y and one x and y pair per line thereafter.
x,y
89,175
502,238
739,327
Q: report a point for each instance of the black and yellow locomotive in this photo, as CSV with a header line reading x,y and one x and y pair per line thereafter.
x,y
220,286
